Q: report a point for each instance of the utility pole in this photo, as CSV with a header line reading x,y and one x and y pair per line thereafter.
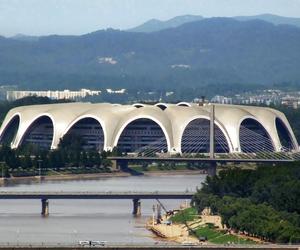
x,y
212,169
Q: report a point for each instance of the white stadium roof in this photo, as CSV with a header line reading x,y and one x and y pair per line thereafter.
x,y
173,119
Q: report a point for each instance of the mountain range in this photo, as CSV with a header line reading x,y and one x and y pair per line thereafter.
x,y
156,25
222,52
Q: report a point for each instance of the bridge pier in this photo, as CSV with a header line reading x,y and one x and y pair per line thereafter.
x,y
114,165
45,207
212,169
122,165
137,208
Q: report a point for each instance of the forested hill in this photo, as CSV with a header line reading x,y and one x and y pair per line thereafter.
x,y
156,25
210,51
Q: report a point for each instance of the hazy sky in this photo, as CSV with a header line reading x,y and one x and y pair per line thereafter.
x,y
42,17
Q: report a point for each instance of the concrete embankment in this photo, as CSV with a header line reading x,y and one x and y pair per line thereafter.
x,y
175,232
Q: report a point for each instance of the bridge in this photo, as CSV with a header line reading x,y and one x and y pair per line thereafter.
x,y
122,162
196,159
134,196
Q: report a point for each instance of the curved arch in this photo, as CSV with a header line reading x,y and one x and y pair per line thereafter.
x,y
40,132
9,133
184,104
253,137
147,130
285,137
99,121
160,105
138,105
196,135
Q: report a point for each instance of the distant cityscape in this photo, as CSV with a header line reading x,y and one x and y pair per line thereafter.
x,y
263,97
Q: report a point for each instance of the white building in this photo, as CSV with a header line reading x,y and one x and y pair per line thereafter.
x,y
53,94
221,99
117,91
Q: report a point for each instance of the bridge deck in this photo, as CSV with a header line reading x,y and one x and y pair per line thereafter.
x,y
187,159
95,195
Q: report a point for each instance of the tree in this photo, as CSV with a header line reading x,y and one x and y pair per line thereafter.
x,y
71,142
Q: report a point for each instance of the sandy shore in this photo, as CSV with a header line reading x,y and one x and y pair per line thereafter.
x,y
176,232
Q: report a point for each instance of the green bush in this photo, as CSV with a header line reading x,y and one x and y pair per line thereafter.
x,y
188,214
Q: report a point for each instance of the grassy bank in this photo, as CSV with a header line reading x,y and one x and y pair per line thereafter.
x,y
183,216
60,177
166,167
190,217
31,172
220,237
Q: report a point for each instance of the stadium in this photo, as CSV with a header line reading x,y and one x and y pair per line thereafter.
x,y
181,128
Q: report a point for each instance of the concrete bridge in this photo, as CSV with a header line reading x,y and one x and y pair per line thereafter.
x,y
134,196
122,162
195,159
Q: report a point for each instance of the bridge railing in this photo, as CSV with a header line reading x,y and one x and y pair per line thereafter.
x,y
273,156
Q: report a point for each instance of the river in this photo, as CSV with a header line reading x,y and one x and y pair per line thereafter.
x,y
73,220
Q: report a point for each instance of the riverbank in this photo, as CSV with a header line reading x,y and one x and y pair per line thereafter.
x,y
173,172
186,226
60,177
173,232
91,176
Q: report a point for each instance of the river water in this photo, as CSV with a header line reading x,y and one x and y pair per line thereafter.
x,y
73,220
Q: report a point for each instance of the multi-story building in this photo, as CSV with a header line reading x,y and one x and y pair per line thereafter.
x,y
221,99
52,94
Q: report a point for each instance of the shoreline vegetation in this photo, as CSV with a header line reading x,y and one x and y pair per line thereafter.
x,y
261,203
187,226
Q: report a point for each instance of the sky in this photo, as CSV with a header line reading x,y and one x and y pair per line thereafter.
x,y
75,17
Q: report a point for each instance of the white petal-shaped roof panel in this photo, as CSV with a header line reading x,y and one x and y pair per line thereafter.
x,y
172,120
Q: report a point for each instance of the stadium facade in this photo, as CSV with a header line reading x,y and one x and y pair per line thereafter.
x,y
173,128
